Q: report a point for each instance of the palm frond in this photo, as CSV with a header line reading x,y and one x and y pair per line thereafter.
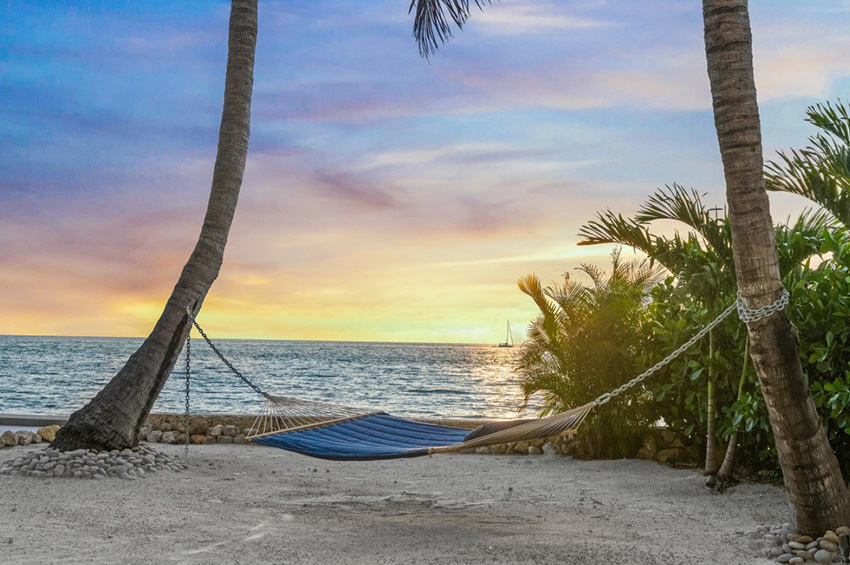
x,y
674,202
796,243
431,22
609,227
834,119
820,171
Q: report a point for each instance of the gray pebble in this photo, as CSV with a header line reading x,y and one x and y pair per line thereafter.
x,y
83,464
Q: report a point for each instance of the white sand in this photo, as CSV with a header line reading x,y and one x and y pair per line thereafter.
x,y
253,504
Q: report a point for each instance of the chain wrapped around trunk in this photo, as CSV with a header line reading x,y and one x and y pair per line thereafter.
x,y
747,315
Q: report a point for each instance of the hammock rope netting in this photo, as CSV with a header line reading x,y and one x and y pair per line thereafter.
x,y
330,431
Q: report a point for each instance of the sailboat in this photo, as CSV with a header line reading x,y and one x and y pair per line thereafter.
x,y
509,338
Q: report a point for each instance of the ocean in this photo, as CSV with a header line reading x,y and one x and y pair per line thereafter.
x,y
57,375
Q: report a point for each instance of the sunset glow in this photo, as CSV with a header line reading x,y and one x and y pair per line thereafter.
x,y
386,198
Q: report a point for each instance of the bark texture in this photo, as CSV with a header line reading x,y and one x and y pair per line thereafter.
x,y
813,481
113,418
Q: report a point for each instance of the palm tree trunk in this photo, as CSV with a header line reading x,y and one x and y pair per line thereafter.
x,y
813,481
113,418
724,475
711,413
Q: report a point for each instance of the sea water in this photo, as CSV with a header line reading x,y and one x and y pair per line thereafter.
x,y
57,375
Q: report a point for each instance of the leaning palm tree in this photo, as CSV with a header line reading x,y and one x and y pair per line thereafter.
x,y
113,418
817,493
813,481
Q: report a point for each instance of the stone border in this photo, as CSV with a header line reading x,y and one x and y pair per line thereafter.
x,y
205,429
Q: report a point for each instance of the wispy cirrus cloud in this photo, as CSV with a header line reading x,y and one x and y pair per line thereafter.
x,y
523,18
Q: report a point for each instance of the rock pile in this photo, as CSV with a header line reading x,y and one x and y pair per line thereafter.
x,y
128,464
783,545
23,437
166,432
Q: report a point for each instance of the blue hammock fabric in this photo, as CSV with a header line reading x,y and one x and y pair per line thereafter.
x,y
368,438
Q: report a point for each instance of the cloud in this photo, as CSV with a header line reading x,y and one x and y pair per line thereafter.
x,y
521,19
797,59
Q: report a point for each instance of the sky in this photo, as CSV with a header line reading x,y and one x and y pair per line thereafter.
x,y
386,197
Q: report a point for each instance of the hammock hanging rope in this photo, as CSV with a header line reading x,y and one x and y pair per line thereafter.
x,y
329,431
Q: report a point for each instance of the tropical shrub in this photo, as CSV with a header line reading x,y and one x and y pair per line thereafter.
x,y
585,342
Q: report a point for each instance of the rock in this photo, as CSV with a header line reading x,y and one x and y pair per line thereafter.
x,y
197,439
830,536
165,427
784,558
24,437
521,447
9,438
644,453
677,443
649,444
667,436
842,531
230,431
154,436
215,431
828,545
811,544
48,433
823,556
197,426
804,539
796,560
240,439
498,449
796,545
225,439
209,440
534,450
482,450
774,552
671,455
548,448
169,437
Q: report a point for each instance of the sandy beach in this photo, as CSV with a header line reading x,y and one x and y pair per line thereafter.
x,y
253,504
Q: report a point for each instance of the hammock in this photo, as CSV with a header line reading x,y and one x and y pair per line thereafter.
x,y
339,433
335,432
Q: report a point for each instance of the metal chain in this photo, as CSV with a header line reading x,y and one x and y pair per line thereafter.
x,y
682,348
224,360
188,375
748,315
